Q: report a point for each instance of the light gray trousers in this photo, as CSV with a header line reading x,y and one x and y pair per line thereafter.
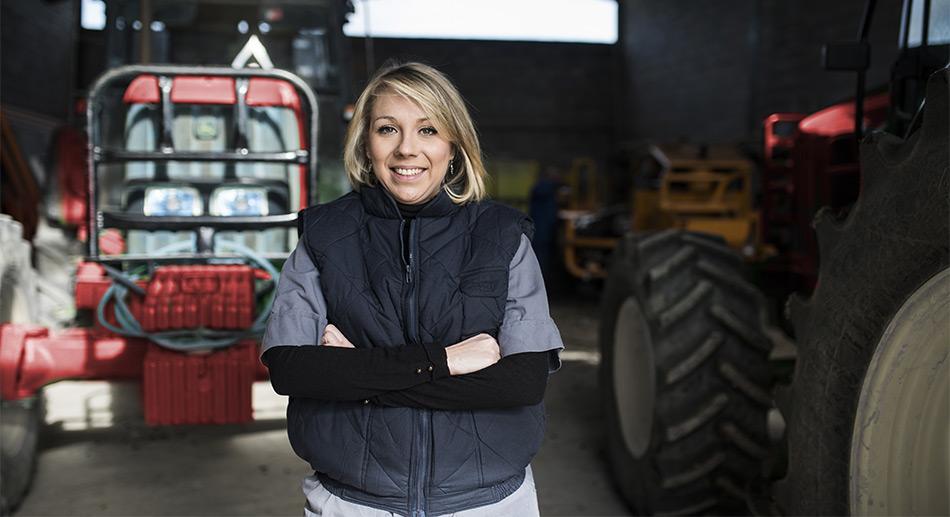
x,y
522,503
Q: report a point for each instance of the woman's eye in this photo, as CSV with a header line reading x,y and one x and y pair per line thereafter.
x,y
428,131
386,130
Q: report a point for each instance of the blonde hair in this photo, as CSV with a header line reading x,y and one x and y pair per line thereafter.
x,y
443,104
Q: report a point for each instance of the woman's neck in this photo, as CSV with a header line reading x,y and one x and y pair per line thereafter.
x,y
409,211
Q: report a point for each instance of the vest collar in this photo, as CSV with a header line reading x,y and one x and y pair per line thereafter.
x,y
379,202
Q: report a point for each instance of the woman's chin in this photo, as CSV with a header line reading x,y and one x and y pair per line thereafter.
x,y
411,196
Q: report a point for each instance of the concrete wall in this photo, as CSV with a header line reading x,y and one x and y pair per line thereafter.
x,y
711,71
545,101
791,77
38,41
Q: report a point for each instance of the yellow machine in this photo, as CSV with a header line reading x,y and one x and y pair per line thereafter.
x,y
672,188
583,202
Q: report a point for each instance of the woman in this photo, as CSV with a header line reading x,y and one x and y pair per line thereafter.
x,y
426,396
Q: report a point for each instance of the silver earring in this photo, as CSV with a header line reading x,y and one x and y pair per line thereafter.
x,y
451,168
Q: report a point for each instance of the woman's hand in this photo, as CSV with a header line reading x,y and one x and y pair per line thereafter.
x,y
333,337
473,354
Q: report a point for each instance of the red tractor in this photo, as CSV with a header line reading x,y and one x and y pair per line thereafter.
x,y
195,178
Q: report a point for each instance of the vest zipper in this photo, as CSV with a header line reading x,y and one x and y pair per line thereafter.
x,y
402,251
412,270
420,467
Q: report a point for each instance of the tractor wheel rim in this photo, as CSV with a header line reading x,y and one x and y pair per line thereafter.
x,y
899,445
633,377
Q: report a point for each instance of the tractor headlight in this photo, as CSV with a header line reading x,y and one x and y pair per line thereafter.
x,y
165,201
239,200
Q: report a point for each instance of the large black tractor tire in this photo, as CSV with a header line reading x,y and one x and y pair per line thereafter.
x,y
685,375
866,410
19,420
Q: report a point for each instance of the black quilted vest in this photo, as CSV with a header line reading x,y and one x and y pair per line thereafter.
x,y
407,460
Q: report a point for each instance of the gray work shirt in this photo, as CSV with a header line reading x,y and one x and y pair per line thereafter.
x,y
298,316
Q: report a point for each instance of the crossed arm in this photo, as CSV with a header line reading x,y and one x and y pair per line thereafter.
x,y
468,375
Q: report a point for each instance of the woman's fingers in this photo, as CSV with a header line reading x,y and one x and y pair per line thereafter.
x,y
473,354
329,337
333,337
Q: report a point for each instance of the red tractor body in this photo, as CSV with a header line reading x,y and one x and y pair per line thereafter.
x,y
194,179
810,161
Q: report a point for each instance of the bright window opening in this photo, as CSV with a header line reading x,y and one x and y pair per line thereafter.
x,y
93,15
938,32
578,21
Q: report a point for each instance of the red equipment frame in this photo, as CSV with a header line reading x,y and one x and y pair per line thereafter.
x,y
178,387
810,161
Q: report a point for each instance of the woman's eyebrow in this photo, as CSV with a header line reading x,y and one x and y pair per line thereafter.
x,y
392,118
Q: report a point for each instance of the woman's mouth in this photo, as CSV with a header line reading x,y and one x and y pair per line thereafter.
x,y
407,171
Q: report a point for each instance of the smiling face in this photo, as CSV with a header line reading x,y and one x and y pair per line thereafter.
x,y
410,157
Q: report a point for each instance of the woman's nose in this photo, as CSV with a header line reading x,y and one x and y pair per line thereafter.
x,y
408,146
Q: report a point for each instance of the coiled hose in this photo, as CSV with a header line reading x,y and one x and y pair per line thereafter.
x,y
191,339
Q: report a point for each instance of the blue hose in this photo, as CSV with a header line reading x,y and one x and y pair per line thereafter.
x,y
191,339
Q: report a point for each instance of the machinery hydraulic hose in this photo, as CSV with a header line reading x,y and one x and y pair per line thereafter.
x,y
189,339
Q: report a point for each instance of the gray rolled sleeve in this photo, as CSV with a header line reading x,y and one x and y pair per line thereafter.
x,y
528,326
298,315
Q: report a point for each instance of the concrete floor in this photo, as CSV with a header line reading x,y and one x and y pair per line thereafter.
x,y
98,458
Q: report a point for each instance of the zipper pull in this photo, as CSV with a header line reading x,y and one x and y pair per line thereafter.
x,y
408,275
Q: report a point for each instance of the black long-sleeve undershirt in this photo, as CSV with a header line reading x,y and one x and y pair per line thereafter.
x,y
515,380
401,377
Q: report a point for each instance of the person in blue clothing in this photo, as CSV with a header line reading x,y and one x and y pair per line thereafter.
x,y
543,205
411,328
